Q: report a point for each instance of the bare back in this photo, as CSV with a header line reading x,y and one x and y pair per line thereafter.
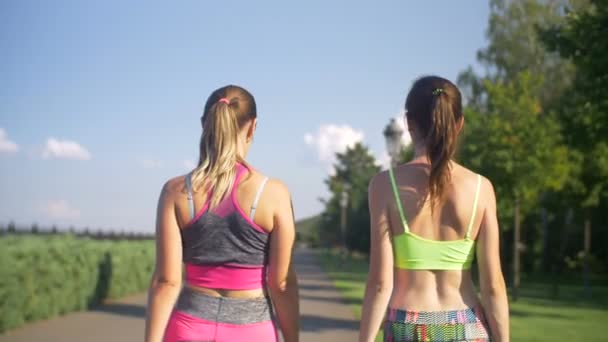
x,y
433,290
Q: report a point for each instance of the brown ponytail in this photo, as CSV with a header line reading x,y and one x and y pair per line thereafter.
x,y
227,110
434,105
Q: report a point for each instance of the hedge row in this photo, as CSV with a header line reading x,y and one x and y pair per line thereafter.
x,y
41,277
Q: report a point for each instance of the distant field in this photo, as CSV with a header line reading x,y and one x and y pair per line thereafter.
x,y
534,317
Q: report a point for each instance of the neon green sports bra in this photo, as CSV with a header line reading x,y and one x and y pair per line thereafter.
x,y
413,252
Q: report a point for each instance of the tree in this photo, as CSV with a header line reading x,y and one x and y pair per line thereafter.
x,y
583,39
519,147
407,153
517,43
354,169
515,46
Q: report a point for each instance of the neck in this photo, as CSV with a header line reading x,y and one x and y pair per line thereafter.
x,y
420,153
241,148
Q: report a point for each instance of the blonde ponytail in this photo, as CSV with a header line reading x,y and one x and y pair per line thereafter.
x,y
227,110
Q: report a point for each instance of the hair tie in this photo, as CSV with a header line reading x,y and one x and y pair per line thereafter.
x,y
224,100
437,91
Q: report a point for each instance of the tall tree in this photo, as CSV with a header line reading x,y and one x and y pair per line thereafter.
x,y
517,145
583,38
514,46
354,169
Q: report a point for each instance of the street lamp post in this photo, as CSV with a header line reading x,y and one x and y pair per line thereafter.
x,y
393,133
343,207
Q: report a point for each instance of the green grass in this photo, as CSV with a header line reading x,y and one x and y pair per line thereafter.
x,y
534,317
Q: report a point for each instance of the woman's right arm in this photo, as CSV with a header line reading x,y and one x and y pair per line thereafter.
x,y
282,281
492,283
166,281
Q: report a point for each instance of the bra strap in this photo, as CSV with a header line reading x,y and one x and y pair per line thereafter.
x,y
189,189
474,207
397,199
257,198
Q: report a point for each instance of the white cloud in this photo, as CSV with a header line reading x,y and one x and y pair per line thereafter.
x,y
188,164
331,139
60,210
149,163
64,149
7,146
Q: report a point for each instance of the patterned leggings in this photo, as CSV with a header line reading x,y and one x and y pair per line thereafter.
x,y
437,326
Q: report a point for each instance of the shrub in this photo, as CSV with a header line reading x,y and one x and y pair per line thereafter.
x,y
45,276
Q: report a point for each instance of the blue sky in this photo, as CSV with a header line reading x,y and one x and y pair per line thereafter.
x,y
100,101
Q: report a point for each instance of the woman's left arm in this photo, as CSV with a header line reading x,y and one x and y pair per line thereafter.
x,y
167,279
380,277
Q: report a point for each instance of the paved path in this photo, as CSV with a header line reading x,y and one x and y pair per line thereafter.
x,y
324,316
117,322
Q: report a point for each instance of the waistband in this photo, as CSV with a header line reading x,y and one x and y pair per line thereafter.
x,y
229,277
468,315
223,309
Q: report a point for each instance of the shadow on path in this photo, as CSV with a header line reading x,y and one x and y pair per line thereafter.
x,y
122,309
337,299
305,286
316,323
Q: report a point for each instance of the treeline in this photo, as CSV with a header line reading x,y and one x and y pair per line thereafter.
x,y
42,276
100,234
536,125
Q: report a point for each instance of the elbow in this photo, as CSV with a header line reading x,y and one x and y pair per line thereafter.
x,y
379,286
494,289
278,286
160,284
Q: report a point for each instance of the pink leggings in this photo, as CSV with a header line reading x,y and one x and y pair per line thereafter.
x,y
201,318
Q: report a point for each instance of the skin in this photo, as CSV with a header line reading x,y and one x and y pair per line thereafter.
x,y
274,214
433,290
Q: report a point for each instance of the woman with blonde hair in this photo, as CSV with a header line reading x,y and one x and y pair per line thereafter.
x,y
233,230
428,218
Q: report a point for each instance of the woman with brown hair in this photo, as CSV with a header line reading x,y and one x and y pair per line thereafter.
x,y
428,218
233,230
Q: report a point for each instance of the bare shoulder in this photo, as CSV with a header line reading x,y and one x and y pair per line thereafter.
x,y
173,187
486,189
278,189
465,175
274,188
378,187
279,197
487,198
379,182
462,171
